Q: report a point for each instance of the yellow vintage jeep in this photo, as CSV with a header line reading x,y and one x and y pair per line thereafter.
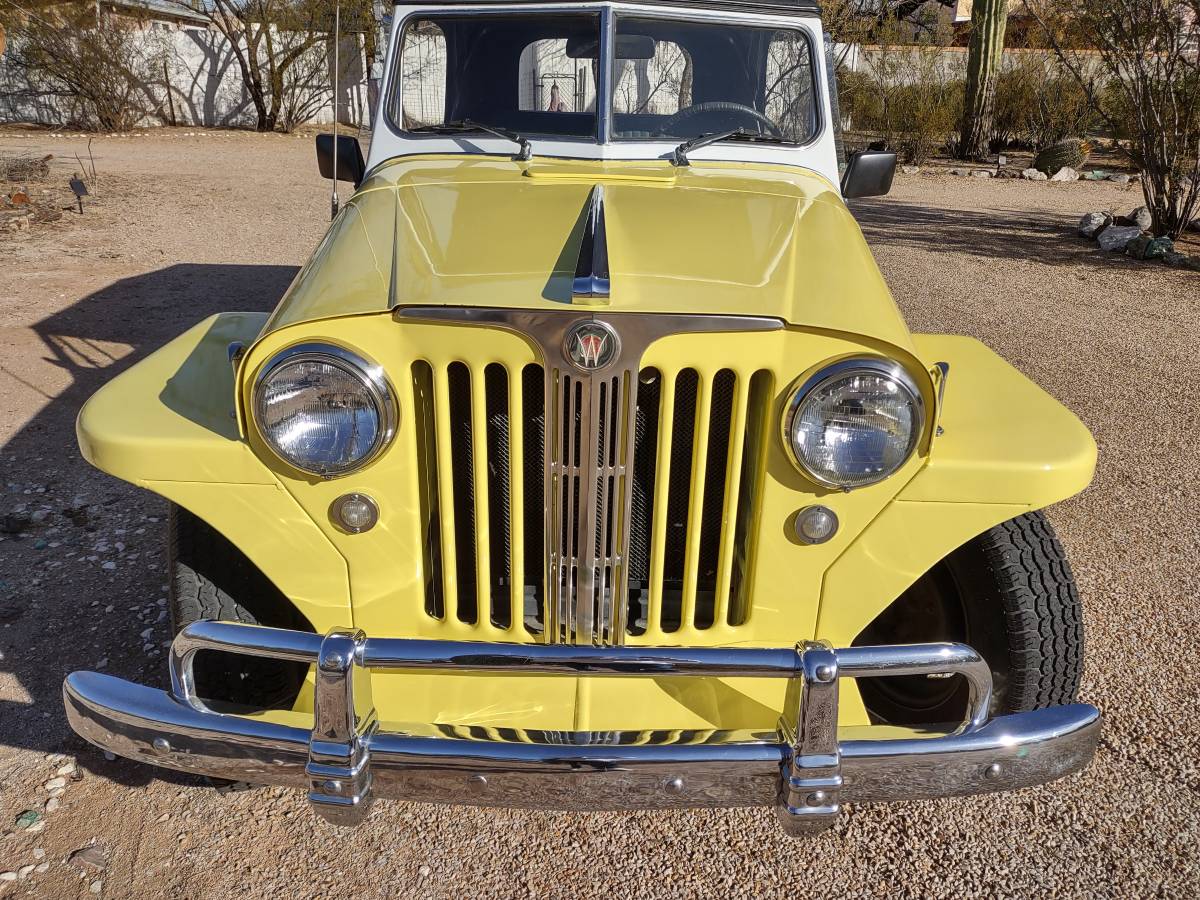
x,y
589,463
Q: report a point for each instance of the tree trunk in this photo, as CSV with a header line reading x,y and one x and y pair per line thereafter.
x,y
988,21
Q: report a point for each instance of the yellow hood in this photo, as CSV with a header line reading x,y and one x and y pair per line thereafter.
x,y
710,238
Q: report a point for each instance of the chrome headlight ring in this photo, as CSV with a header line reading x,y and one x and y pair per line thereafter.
x,y
370,378
840,371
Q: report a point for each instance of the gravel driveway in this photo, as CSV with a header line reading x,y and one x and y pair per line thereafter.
x,y
184,224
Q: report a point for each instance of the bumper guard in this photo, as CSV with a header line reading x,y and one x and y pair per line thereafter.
x,y
803,769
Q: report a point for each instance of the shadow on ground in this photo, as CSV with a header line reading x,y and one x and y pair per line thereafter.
x,y
996,233
52,625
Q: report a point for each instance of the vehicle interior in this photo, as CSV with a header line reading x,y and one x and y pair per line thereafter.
x,y
537,74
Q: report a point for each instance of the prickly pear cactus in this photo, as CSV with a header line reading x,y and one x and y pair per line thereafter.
x,y
1072,152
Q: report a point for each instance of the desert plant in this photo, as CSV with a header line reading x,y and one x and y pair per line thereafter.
x,y
1072,153
279,47
984,54
1143,78
97,63
1038,103
911,95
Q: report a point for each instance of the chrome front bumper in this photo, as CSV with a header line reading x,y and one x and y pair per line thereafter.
x,y
803,769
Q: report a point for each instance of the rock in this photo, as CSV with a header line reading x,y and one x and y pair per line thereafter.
x,y
25,871
56,782
1145,246
8,876
1033,175
1066,173
1096,175
93,857
96,887
1093,223
1119,178
14,523
910,170
53,804
982,173
960,171
41,868
26,819
39,853
1141,217
424,871
1116,237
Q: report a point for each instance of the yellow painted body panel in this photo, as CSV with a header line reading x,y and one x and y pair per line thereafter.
x,y
713,238
485,231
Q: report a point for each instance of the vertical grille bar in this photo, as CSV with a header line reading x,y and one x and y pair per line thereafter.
x,y
441,418
538,431
461,471
662,489
691,564
733,488
479,476
587,396
758,406
516,500
427,477
498,466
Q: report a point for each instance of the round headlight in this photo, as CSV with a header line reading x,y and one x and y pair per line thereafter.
x,y
323,409
854,423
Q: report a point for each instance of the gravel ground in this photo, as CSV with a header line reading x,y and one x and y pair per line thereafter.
x,y
183,224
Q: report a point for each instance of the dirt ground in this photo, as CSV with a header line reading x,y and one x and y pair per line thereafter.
x,y
183,224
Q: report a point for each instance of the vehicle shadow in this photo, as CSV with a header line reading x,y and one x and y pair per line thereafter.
x,y
83,560
996,233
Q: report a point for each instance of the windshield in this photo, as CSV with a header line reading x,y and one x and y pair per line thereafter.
x,y
687,79
530,74
536,75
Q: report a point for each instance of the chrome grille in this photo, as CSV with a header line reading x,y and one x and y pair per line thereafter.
x,y
644,481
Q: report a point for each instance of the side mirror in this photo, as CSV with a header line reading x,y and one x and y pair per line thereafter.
x,y
869,173
350,164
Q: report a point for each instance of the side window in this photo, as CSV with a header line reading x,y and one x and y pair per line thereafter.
x,y
551,81
790,95
660,86
422,97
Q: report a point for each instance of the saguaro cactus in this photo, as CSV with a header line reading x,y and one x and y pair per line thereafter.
x,y
988,21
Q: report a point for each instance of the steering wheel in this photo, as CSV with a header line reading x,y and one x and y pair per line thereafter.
x,y
725,110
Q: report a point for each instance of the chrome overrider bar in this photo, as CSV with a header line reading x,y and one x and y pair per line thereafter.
x,y
803,769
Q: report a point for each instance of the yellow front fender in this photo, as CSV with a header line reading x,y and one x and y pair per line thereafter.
x,y
1005,447
167,424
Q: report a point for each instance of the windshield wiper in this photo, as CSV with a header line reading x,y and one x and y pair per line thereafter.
x,y
679,158
455,125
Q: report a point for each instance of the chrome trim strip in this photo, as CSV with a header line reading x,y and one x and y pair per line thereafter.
x,y
591,283
805,770
576,612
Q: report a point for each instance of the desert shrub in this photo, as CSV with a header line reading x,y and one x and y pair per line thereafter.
x,y
911,96
101,67
1038,104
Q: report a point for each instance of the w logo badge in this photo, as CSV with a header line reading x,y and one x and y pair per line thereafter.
x,y
591,345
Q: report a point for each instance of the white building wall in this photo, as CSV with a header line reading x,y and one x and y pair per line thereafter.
x,y
205,83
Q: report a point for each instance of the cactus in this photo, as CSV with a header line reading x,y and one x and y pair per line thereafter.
x,y
1071,152
988,21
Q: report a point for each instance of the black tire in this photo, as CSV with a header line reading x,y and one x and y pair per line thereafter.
x,y
1009,593
211,579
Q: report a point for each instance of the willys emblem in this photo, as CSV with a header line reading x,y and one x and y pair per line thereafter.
x,y
592,345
